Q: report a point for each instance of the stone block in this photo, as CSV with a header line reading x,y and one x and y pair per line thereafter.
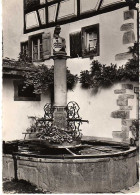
x,y
120,91
123,56
127,27
127,122
136,90
121,97
127,86
8,167
122,102
129,37
62,175
60,118
125,135
125,128
125,96
116,134
128,14
125,132
129,96
120,114
125,107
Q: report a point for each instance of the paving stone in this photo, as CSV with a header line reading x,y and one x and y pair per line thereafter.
x,y
119,91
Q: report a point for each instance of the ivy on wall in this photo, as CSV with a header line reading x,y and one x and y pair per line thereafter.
x,y
42,78
101,76
134,128
39,76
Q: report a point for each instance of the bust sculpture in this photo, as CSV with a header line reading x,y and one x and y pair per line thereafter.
x,y
58,43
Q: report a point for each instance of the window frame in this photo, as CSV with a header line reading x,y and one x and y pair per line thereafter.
x,y
84,32
16,83
38,37
79,15
21,47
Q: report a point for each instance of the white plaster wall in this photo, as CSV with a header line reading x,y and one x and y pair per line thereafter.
x,y
110,34
15,113
111,38
12,27
95,108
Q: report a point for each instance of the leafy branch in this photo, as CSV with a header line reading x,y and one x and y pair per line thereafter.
x,y
42,78
101,75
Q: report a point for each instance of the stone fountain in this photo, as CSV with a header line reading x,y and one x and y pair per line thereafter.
x,y
56,159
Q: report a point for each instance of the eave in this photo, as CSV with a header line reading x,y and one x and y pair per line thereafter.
x,y
100,10
15,69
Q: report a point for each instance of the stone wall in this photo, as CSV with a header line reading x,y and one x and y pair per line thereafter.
x,y
123,112
87,175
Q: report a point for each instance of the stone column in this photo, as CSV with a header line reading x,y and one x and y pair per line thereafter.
x,y
60,92
60,81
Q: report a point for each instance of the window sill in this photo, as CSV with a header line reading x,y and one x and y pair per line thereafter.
x,y
88,55
42,60
37,98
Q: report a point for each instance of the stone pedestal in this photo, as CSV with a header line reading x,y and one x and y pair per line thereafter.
x,y
60,117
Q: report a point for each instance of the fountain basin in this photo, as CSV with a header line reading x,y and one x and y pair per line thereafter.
x,y
67,173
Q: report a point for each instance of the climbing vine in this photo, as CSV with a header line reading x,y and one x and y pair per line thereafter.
x,y
42,78
134,128
101,75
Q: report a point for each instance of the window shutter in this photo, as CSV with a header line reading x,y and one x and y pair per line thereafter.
x,y
46,42
30,47
75,45
21,47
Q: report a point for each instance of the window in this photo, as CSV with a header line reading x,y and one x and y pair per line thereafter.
x,y
29,4
90,41
75,45
31,20
37,51
24,48
39,47
50,0
21,94
85,43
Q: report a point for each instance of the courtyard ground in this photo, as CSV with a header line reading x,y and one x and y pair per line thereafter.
x,y
21,187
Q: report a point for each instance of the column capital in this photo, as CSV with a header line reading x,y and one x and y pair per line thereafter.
x,y
59,56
